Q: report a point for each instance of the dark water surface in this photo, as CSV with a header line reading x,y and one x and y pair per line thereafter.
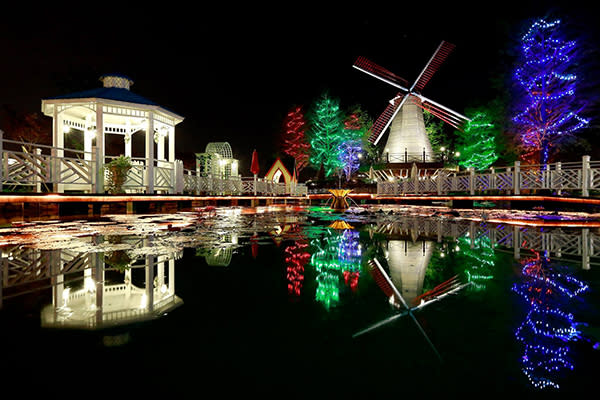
x,y
285,302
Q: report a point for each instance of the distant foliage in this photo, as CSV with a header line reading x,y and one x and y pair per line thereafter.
x,y
24,127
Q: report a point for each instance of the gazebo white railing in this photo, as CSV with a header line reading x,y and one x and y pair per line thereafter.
x,y
581,177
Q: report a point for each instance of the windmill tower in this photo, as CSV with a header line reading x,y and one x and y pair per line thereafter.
x,y
408,141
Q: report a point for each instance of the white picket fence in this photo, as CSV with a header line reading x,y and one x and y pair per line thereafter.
x,y
581,177
39,168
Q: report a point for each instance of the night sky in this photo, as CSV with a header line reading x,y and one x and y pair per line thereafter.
x,y
234,71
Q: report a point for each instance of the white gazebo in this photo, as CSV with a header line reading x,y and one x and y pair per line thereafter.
x,y
114,109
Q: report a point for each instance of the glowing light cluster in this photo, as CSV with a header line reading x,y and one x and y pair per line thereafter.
x,y
549,107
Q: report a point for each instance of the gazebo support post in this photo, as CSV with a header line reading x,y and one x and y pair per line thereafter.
x,y
58,143
160,148
171,144
150,153
100,152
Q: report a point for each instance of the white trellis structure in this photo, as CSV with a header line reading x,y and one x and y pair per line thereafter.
x,y
113,110
217,161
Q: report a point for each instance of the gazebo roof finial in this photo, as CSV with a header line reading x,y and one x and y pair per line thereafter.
x,y
116,81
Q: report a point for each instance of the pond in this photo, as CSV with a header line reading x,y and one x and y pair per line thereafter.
x,y
294,301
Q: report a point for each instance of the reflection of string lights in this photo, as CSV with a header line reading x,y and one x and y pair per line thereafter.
x,y
334,253
478,258
547,329
295,260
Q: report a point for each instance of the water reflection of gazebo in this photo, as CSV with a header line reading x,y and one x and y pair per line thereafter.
x,y
99,302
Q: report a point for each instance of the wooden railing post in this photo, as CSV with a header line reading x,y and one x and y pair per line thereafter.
x,y
471,180
37,177
178,176
558,173
1,160
585,248
54,169
546,177
585,176
517,178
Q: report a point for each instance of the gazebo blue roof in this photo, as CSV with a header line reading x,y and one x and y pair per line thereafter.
x,y
111,93
108,93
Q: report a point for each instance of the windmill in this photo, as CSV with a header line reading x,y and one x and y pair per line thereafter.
x,y
408,139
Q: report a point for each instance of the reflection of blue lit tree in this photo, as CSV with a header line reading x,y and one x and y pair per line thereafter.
x,y
549,326
350,256
335,252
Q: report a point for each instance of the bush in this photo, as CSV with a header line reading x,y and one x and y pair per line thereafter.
x,y
117,174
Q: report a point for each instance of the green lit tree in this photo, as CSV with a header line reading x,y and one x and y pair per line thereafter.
x,y
435,131
326,134
477,144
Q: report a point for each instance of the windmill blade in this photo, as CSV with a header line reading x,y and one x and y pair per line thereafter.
x,y
376,71
380,323
440,54
384,281
444,113
386,118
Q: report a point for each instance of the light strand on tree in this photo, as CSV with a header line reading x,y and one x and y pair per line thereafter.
x,y
547,115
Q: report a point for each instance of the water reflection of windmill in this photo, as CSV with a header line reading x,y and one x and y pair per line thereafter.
x,y
408,141
395,298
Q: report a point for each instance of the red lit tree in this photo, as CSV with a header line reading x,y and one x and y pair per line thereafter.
x,y
295,143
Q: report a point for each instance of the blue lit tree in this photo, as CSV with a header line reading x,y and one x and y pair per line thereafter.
x,y
547,107
351,147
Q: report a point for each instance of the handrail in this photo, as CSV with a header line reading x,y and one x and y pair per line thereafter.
x,y
583,176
